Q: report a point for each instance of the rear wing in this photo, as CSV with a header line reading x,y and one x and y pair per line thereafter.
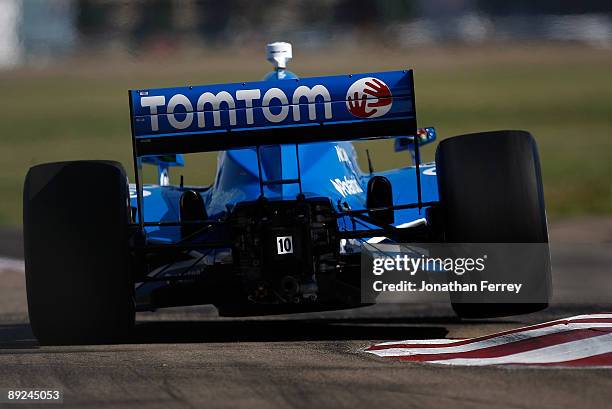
x,y
219,117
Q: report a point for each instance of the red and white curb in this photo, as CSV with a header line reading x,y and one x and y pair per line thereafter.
x,y
12,265
583,340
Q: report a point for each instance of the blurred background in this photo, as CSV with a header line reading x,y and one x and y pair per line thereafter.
x,y
544,66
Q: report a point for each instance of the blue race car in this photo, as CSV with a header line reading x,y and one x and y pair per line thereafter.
x,y
281,227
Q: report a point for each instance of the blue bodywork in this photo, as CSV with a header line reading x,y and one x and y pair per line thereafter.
x,y
237,180
211,117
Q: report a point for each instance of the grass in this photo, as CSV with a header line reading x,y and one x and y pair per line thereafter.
x,y
563,95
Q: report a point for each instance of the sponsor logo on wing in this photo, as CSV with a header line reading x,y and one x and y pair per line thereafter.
x,y
346,186
275,106
369,98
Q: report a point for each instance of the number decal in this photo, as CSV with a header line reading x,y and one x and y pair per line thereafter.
x,y
284,245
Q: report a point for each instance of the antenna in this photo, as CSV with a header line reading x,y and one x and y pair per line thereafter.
x,y
370,167
279,53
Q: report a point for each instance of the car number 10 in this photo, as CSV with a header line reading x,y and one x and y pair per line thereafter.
x,y
284,245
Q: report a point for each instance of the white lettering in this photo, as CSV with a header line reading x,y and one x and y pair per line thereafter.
x,y
152,103
215,102
311,95
180,99
248,95
275,93
342,155
347,186
223,101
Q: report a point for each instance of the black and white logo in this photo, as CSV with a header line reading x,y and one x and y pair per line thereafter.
x,y
284,245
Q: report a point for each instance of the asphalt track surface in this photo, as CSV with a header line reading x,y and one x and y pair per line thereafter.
x,y
190,358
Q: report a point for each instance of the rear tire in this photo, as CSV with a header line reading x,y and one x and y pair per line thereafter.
x,y
79,283
490,188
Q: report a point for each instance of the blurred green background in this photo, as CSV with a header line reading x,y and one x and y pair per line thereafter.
x,y
77,107
563,95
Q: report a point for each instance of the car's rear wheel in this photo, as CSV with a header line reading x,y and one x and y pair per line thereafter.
x,y
79,284
490,188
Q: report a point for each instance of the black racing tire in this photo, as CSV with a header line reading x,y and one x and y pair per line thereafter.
x,y
490,188
79,284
